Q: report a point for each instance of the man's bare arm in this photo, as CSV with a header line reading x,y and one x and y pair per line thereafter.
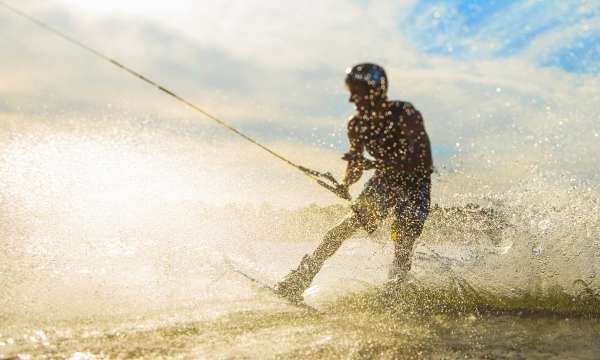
x,y
353,173
419,148
354,167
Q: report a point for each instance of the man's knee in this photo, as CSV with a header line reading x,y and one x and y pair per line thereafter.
x,y
335,237
405,234
345,228
403,242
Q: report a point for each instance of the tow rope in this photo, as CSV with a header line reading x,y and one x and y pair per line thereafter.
x,y
326,180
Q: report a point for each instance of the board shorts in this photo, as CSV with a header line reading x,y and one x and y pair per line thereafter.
x,y
410,204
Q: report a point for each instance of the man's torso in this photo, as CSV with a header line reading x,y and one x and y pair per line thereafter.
x,y
395,137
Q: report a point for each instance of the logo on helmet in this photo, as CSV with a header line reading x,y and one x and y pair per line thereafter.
x,y
374,75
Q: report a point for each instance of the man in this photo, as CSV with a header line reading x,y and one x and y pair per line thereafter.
x,y
393,134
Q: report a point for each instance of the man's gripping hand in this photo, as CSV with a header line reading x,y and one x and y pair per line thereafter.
x,y
342,191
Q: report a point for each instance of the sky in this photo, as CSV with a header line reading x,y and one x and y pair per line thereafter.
x,y
499,82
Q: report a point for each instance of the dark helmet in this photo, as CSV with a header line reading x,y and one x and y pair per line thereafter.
x,y
368,79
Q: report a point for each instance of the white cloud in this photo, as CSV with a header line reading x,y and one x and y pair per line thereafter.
x,y
283,34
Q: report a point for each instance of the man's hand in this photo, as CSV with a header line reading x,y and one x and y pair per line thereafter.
x,y
342,191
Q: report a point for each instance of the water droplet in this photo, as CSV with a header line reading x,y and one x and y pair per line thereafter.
x,y
544,224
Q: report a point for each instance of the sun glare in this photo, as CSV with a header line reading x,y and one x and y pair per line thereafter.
x,y
90,179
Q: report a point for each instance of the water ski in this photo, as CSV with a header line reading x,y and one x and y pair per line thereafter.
x,y
264,286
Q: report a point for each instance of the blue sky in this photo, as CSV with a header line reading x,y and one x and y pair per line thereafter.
x,y
452,28
476,30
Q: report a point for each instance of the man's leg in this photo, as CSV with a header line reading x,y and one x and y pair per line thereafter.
x,y
404,238
334,238
294,284
407,227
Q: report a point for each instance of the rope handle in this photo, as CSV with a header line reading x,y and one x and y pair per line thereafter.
x,y
332,185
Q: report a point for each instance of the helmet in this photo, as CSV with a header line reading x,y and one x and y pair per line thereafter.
x,y
367,78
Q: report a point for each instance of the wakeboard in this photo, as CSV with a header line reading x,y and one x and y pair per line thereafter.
x,y
266,287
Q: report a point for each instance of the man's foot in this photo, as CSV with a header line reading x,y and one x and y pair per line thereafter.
x,y
290,288
294,284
